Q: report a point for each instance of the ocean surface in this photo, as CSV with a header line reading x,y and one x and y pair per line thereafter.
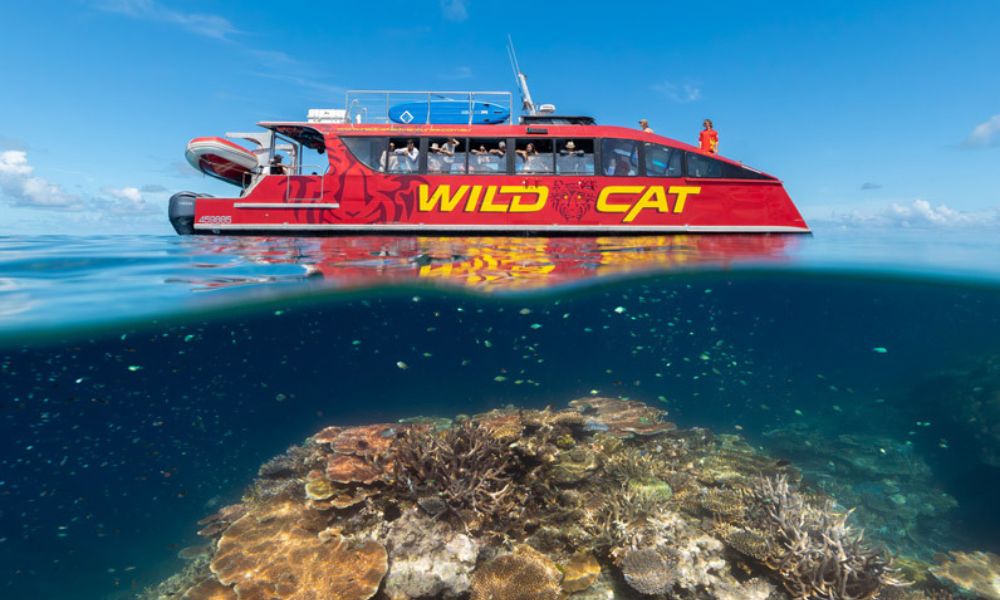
x,y
144,380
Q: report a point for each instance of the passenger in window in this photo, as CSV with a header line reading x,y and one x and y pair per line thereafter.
x,y
389,159
622,158
570,159
500,150
450,147
409,156
276,167
435,161
448,151
709,138
644,126
533,162
481,164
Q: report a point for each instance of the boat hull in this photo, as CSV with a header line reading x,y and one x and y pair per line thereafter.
x,y
353,204
354,197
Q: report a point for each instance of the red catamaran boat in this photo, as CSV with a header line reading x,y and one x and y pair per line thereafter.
x,y
456,162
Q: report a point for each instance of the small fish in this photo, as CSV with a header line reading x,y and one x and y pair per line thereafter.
x,y
402,365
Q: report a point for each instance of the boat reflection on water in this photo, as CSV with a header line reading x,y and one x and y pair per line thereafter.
x,y
490,263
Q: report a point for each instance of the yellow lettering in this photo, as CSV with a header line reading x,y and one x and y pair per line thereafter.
x,y
603,205
488,205
442,194
683,191
541,194
470,206
654,197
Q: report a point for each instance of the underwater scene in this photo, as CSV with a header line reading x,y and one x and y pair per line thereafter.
x,y
686,417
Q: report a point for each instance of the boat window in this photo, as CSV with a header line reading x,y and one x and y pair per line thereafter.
x,y
312,162
663,161
487,155
575,157
403,155
699,165
369,150
446,156
620,157
535,156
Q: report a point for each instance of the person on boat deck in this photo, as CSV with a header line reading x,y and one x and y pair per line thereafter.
x,y
410,154
389,159
533,163
570,159
644,126
276,168
483,159
708,139
435,162
448,150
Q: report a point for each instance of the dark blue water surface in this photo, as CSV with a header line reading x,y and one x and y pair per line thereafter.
x,y
144,380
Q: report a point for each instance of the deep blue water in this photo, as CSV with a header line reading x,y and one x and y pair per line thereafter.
x,y
144,380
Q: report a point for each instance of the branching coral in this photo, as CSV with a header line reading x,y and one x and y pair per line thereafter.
x,y
464,465
815,552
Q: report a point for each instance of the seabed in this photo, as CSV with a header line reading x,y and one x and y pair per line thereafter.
x,y
604,499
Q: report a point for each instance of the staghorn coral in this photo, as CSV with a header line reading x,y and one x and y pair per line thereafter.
x,y
464,466
975,572
813,550
524,574
631,464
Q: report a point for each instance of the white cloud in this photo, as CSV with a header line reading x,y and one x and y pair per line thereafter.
x,y
212,26
455,10
917,214
20,187
126,201
985,134
678,92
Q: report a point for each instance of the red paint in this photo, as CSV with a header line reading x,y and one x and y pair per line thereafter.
x,y
372,201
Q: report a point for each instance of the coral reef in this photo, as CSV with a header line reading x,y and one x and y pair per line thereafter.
x,y
602,500
429,558
971,572
524,574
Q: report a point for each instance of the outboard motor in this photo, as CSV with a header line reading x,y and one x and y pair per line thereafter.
x,y
181,211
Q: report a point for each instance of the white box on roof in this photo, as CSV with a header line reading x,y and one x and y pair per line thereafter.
x,y
327,115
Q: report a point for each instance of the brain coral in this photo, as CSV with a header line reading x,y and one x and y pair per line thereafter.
x,y
526,574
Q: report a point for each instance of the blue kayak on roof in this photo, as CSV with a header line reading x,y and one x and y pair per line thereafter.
x,y
449,112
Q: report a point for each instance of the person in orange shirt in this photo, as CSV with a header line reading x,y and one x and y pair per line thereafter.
x,y
709,138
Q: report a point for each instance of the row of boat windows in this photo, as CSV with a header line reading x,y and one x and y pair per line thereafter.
x,y
543,156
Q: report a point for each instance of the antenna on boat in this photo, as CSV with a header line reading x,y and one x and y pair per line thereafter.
x,y
522,82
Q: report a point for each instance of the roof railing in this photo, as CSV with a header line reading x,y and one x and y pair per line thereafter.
x,y
406,107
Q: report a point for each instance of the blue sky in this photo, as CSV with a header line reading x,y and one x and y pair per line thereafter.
x,y
868,111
